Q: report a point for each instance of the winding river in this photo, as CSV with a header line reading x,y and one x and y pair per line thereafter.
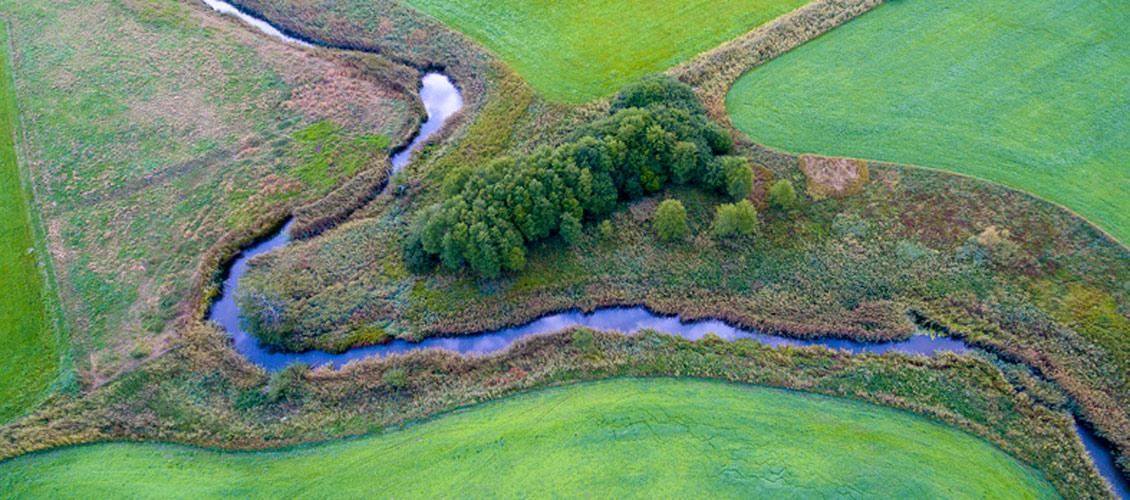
x,y
442,100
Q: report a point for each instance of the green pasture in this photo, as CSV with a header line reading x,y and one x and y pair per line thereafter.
x,y
629,437
1028,93
583,49
31,354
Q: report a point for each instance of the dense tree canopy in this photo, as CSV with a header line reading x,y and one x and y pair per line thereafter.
x,y
657,134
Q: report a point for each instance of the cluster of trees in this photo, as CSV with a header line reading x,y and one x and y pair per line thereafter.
x,y
657,133
730,219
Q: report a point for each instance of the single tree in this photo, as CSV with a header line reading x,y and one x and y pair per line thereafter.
x,y
739,176
671,220
782,196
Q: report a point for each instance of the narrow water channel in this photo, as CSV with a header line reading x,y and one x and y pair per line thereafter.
x,y
442,100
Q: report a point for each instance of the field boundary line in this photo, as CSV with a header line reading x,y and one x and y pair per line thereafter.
x,y
65,379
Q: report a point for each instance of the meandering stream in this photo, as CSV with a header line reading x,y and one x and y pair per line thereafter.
x,y
442,100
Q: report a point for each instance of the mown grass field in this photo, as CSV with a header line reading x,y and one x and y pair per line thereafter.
x,y
627,437
31,353
580,50
1028,93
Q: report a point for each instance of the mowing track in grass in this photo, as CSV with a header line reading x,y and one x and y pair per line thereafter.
x,y
31,355
1029,93
627,437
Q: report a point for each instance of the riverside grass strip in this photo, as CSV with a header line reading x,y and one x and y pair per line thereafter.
x,y
27,339
1029,94
680,437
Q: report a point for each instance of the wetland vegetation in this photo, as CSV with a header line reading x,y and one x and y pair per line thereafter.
x,y
554,194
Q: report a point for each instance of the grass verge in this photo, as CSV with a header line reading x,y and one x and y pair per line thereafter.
x,y
613,438
1023,93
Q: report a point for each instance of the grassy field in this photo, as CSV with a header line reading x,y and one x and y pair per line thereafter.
x,y
1028,93
616,438
31,353
154,128
577,51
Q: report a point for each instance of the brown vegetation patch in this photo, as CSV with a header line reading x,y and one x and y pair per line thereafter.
x,y
831,177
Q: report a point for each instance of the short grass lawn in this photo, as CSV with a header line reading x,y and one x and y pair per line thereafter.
x,y
619,438
1029,93
31,355
583,49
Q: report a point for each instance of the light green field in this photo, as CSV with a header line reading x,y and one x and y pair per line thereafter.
x,y
1029,93
583,49
665,437
31,355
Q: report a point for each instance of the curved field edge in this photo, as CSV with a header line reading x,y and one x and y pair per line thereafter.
x,y
615,437
201,393
30,335
1022,98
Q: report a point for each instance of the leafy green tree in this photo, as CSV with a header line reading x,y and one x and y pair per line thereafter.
x,y
718,139
684,162
782,195
657,133
735,219
739,176
671,220
570,229
606,230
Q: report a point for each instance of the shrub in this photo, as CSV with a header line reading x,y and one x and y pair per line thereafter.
x,y
739,176
285,384
782,195
606,230
671,220
395,378
735,219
